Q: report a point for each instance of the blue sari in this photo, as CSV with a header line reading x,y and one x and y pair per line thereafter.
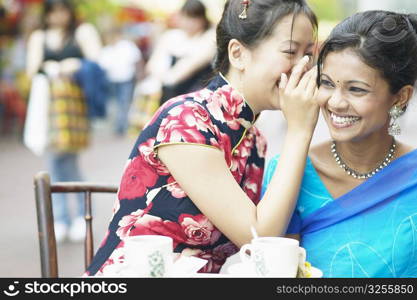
x,y
370,231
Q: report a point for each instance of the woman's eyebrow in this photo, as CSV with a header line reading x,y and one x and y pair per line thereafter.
x,y
292,42
327,76
349,82
359,81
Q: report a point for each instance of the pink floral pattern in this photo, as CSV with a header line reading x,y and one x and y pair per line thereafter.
x,y
152,225
185,123
128,221
149,156
151,202
251,184
138,176
225,105
261,145
224,144
175,189
198,230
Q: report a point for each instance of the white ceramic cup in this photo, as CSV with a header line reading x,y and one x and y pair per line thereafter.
x,y
273,256
242,270
148,255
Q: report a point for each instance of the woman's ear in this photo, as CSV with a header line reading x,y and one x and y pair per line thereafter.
x,y
404,95
237,54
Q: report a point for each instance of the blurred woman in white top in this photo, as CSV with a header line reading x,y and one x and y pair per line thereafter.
x,y
182,58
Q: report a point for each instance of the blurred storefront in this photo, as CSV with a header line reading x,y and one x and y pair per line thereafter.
x,y
142,20
17,20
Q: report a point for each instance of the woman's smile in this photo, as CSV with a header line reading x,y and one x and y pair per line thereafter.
x,y
343,121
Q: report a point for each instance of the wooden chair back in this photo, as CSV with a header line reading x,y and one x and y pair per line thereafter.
x,y
47,243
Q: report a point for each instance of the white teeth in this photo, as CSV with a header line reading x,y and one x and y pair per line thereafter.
x,y
348,120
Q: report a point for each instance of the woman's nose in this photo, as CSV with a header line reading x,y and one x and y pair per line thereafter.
x,y
337,101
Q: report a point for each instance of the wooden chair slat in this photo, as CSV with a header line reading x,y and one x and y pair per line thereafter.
x,y
43,196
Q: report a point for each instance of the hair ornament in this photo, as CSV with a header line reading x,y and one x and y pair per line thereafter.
x,y
244,14
408,22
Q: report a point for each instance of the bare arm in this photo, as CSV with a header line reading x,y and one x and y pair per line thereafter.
x,y
89,40
203,174
34,54
217,194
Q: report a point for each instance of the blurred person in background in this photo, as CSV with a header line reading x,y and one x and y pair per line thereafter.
x,y
57,51
121,58
180,62
182,58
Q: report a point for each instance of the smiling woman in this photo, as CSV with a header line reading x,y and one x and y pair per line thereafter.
x,y
359,98
357,209
195,172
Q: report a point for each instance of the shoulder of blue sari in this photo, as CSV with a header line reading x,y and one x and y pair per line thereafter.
x,y
398,176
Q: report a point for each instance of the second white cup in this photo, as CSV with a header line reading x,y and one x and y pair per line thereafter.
x,y
273,256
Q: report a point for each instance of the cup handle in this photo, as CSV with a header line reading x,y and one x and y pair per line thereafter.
x,y
242,253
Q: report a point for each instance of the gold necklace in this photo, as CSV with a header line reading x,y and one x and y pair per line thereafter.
x,y
369,174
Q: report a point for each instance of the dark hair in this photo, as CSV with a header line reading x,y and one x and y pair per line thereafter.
x,y
196,9
49,5
262,16
385,41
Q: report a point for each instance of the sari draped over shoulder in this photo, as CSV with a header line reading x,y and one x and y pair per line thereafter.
x,y
370,231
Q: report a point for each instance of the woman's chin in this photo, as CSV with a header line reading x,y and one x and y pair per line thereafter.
x,y
338,136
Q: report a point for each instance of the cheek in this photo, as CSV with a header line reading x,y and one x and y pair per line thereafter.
x,y
323,96
374,115
273,63
283,64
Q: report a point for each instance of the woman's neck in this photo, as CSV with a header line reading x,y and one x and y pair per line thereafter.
x,y
366,154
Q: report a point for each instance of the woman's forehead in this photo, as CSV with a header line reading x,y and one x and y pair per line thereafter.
x,y
346,65
294,29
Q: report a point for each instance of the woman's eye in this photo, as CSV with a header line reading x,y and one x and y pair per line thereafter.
x,y
357,90
326,83
290,52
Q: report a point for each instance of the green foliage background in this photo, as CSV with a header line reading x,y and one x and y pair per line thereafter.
x,y
92,10
328,10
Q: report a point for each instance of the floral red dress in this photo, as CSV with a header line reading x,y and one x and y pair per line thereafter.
x,y
149,199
